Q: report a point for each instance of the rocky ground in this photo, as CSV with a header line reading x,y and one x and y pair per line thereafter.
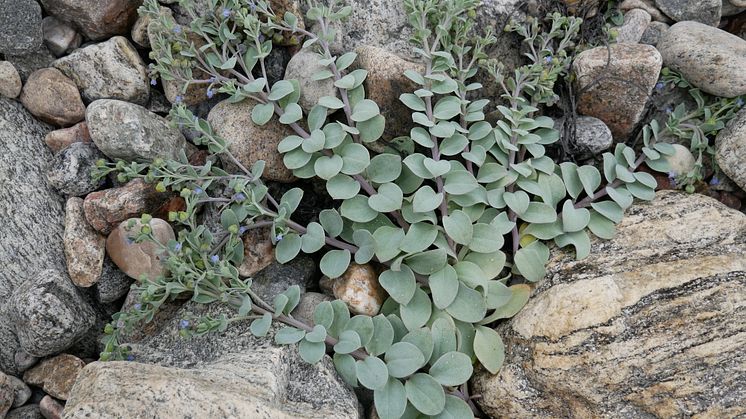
x,y
652,324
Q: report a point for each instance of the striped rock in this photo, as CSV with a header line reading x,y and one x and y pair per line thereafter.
x,y
652,324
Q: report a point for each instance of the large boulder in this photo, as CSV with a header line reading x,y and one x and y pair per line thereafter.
x,y
705,11
96,19
20,31
650,325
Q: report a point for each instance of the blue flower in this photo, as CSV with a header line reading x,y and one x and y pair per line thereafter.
x,y
130,240
672,178
659,86
138,306
668,110
130,357
548,59
153,82
278,237
210,93
739,102
179,98
198,191
177,247
226,13
214,258
242,230
714,181
183,324
261,37
213,79
177,29
239,197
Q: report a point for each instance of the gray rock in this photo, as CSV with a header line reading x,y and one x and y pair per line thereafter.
x,y
84,246
71,168
96,20
682,161
704,11
31,411
6,394
26,64
108,70
646,5
51,408
10,80
733,7
53,98
307,305
20,31
59,36
128,131
113,283
730,149
654,33
302,67
228,374
707,57
32,212
49,314
21,391
9,346
24,360
592,137
275,63
139,33
635,23
276,278
649,325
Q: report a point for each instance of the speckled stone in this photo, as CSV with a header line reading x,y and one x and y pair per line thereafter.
x,y
302,67
21,392
84,246
654,33
307,305
59,36
105,209
258,251
730,149
31,411
358,287
113,283
6,394
29,62
51,408
96,20
651,324
705,11
276,278
20,31
61,138
635,23
70,170
592,137
53,98
138,259
646,5
10,80
55,375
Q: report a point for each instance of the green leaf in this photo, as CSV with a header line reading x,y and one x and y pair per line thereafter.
x,y
288,248
609,209
372,373
313,240
315,142
601,226
412,102
289,336
292,113
400,285
447,107
341,317
425,199
326,167
346,82
331,221
335,262
425,394
365,243
262,113
571,179
519,295
349,341
345,366
372,129
491,263
384,168
498,294
323,314
444,337
296,159
530,261
345,60
260,327
356,158
403,359
574,219
453,145
452,369
311,352
363,325
417,311
390,400
291,199
621,196
389,198
383,336
365,110
538,212
289,143
331,102
387,241
427,262
590,178
489,348
579,240
458,226
342,187
419,237
228,218
357,209
437,168
444,286
318,334
455,408
280,89
422,339
517,201
460,182
468,306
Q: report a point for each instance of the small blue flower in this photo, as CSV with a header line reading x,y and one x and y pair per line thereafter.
x,y
153,82
214,258
213,79
226,13
659,86
239,197
177,247
183,324
242,230
210,93
198,191
548,59
179,98
668,110
130,357
672,178
714,181
278,237
130,240
138,306
177,29
261,37
739,102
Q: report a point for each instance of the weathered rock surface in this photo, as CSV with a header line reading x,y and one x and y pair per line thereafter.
x,y
105,209
29,206
137,259
59,36
55,375
21,392
646,5
113,283
84,246
228,374
51,408
108,70
30,411
635,23
29,62
730,149
616,90
276,278
49,313
654,33
10,80
127,131
53,98
592,137
95,19
258,251
358,287
705,11
20,32
61,138
70,170
302,67
249,142
6,394
9,346
707,57
650,325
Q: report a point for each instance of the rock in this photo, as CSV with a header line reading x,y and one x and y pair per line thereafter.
x,y
705,11
49,314
53,98
31,411
646,5
585,8
139,33
225,374
84,246
280,7
592,137
275,64
730,149
113,283
128,131
20,32
385,82
159,104
258,251
9,346
7,394
21,391
617,93
71,169
249,142
95,20
55,375
707,57
10,81
138,259
108,70
59,36
358,287
682,162
731,7
32,212
24,360
649,325
654,33
307,305
105,209
27,63
276,278
636,21
51,408
302,67
62,138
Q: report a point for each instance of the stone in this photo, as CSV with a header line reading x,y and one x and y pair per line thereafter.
x,y
95,20
24,360
31,411
592,137
84,246
385,83
31,210
704,11
707,57
224,374
62,138
249,142
7,394
654,33
636,21
258,251
9,347
127,131
27,63
59,36
280,7
72,167
53,98
10,80
617,93
302,67
646,5
55,375
49,313
730,149
138,259
21,392
585,8
682,161
358,287
307,305
649,325
731,7
51,408
105,209
159,104
113,283
139,33
276,63
20,32
108,70
276,278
